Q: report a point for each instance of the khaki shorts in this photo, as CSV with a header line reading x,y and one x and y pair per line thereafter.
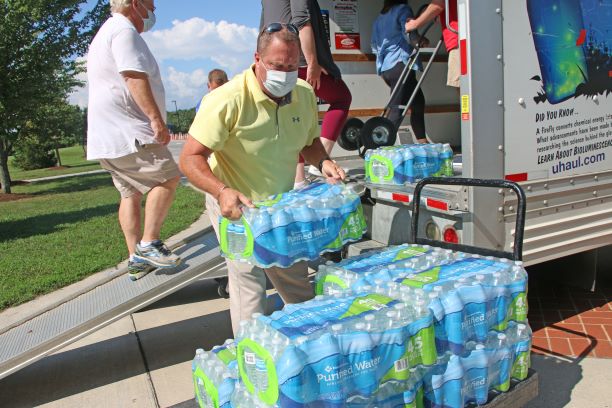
x,y
149,167
454,68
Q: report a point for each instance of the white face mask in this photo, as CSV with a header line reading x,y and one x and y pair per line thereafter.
x,y
280,83
149,21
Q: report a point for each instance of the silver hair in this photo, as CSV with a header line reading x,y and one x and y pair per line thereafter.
x,y
117,5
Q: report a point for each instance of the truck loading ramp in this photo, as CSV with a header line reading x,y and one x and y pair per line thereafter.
x,y
83,314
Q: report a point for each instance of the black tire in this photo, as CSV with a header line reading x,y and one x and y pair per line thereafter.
x,y
378,132
222,288
349,137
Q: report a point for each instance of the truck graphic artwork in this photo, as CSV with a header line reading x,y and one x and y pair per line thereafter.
x,y
572,40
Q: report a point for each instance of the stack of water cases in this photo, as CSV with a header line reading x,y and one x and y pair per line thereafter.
x,y
215,374
360,350
407,326
479,309
399,165
296,226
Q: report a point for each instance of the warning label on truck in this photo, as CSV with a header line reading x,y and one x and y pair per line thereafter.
x,y
465,107
559,68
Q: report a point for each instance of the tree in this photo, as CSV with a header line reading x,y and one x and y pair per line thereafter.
x,y
180,121
40,41
55,125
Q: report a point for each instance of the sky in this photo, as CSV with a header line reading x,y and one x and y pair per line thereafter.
x,y
190,38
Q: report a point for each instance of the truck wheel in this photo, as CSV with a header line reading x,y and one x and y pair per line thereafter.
x,y
378,132
349,137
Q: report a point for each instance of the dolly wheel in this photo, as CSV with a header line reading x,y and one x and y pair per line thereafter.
x,y
349,137
378,132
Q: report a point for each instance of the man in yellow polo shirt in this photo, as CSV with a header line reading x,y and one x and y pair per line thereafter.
x,y
255,126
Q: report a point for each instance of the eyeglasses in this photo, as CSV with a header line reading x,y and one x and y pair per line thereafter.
x,y
276,27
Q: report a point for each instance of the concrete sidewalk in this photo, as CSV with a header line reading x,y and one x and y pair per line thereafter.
x,y
145,361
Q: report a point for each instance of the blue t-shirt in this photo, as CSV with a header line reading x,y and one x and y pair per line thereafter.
x,y
389,41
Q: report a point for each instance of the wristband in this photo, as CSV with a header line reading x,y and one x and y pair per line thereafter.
x,y
320,166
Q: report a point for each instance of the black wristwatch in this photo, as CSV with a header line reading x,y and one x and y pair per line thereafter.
x,y
320,166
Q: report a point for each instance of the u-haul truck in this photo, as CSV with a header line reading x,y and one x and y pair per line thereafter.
x,y
534,107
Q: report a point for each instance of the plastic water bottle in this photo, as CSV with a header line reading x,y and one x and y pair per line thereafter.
x,y
500,355
335,202
199,388
236,239
387,320
496,286
420,160
447,160
306,216
337,329
517,287
368,160
476,366
408,168
241,398
431,161
280,222
475,301
445,383
370,322
379,167
520,340
453,318
246,330
262,221
397,163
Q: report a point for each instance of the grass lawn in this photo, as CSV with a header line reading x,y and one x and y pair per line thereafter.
x,y
67,230
73,161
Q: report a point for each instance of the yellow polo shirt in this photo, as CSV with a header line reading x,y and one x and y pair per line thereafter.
x,y
256,141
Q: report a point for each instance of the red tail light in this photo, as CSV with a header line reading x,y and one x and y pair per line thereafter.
x,y
451,236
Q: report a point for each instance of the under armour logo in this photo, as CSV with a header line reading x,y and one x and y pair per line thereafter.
x,y
296,119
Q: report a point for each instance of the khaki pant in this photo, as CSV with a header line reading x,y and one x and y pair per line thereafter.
x,y
247,283
142,171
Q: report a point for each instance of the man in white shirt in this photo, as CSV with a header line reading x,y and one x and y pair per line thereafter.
x,y
127,130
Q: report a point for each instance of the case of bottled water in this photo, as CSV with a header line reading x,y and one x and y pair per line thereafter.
x,y
471,296
398,165
354,272
467,294
406,326
334,348
296,226
485,369
215,374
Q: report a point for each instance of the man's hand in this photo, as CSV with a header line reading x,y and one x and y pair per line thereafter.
x,y
313,75
160,132
412,25
230,202
332,171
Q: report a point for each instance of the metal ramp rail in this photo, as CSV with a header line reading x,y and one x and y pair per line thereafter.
x,y
100,306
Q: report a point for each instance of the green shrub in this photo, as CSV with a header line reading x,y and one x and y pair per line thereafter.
x,y
32,153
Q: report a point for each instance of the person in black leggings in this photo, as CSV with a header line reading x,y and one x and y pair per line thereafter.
x,y
392,49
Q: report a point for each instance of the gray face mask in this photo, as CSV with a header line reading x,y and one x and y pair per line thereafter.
x,y
149,21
